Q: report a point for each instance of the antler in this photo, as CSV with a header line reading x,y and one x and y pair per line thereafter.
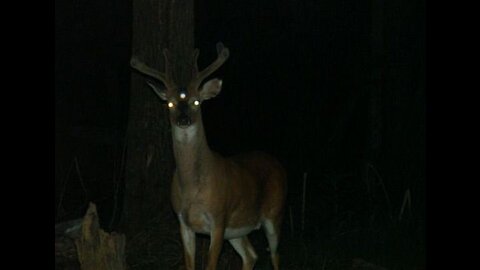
x,y
165,77
198,77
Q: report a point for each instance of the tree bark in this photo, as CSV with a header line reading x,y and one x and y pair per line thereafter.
x,y
375,119
157,24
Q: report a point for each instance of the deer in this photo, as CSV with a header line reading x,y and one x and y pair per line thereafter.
x,y
223,197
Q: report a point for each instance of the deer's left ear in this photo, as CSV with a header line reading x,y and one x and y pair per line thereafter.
x,y
210,89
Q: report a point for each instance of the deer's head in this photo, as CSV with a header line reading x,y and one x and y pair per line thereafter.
x,y
184,101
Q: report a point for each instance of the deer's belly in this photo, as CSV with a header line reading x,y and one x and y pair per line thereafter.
x,y
231,233
202,222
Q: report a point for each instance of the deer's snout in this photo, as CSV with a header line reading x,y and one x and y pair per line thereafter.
x,y
183,119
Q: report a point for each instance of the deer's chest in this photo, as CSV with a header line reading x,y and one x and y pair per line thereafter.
x,y
197,218
196,206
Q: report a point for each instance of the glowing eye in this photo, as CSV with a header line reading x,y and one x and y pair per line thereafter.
x,y
170,104
196,102
182,95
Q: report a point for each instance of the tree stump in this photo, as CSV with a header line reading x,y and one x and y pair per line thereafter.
x,y
96,249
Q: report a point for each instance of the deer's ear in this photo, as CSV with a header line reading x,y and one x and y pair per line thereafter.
x,y
160,91
210,89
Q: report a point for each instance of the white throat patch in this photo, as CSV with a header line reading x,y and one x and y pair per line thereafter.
x,y
185,135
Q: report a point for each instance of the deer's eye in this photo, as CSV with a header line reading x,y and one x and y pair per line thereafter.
x,y
196,103
170,104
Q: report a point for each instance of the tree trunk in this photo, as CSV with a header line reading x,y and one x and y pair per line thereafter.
x,y
157,24
374,130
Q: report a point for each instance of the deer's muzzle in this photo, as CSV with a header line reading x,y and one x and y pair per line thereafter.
x,y
183,119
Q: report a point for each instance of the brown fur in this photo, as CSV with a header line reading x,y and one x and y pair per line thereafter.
x,y
212,193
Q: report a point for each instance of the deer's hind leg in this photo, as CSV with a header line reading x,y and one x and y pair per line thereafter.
x,y
272,231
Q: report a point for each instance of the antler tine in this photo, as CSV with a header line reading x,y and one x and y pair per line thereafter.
x,y
165,77
223,54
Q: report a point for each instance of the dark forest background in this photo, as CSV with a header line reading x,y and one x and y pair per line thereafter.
x,y
334,89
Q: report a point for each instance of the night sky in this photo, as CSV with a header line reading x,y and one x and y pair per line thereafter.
x,y
296,85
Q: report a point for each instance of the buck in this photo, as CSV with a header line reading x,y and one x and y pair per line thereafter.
x,y
225,198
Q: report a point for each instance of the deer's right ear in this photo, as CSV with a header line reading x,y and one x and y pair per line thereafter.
x,y
160,91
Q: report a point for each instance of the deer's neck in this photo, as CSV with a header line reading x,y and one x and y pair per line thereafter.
x,y
192,154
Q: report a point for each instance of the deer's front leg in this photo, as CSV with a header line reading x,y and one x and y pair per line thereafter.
x,y
216,242
188,239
